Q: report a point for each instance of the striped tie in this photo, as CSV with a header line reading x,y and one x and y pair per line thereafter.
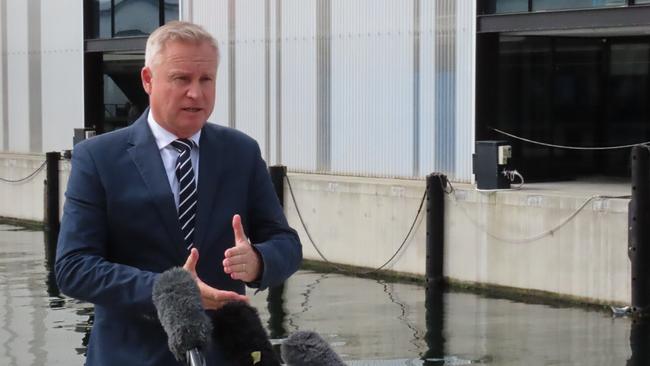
x,y
187,190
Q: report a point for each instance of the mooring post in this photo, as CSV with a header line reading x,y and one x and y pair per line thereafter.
x,y
435,282
639,226
52,222
278,172
51,218
436,184
275,297
639,340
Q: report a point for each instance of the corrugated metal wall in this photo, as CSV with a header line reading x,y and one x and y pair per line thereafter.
x,y
361,87
41,86
62,77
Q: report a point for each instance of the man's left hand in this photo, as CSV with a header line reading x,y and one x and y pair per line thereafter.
x,y
241,262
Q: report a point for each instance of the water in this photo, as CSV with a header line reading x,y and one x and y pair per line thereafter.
x,y
368,322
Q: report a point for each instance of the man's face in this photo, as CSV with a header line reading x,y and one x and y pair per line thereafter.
x,y
181,85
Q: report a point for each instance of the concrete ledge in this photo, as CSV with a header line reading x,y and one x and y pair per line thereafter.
x,y
25,200
552,239
506,239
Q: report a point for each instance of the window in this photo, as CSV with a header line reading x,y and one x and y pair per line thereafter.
x,y
574,4
126,18
519,6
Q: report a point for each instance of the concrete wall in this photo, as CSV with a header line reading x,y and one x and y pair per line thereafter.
x,y
362,221
25,200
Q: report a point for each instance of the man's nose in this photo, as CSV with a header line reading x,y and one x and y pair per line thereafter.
x,y
194,90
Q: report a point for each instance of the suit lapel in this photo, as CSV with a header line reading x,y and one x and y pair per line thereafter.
x,y
211,157
146,157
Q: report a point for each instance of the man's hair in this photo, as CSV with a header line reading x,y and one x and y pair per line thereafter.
x,y
176,31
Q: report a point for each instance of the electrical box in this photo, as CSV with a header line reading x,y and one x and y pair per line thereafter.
x,y
490,159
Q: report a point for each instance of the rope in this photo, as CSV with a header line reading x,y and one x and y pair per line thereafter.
x,y
30,176
339,268
569,147
533,238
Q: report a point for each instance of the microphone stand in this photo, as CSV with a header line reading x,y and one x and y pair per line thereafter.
x,y
195,358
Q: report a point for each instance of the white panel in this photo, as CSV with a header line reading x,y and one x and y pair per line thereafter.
x,y
445,87
273,41
2,79
372,87
249,69
465,88
299,84
427,87
18,75
62,72
213,15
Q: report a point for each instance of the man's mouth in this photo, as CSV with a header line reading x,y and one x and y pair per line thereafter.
x,y
192,110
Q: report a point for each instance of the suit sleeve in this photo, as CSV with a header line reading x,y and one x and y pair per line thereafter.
x,y
277,243
82,270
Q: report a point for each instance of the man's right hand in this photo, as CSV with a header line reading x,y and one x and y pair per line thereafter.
x,y
212,298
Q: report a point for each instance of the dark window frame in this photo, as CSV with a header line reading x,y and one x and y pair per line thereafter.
x,y
489,7
89,13
96,47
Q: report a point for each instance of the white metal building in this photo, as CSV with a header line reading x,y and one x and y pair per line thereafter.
x,y
368,87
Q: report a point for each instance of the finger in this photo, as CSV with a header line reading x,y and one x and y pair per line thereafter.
x,y
225,296
219,298
190,262
238,229
241,272
234,252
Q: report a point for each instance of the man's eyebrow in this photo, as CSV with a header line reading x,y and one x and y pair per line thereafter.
x,y
178,72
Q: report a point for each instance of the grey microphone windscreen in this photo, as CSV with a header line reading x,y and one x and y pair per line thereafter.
x,y
178,301
306,348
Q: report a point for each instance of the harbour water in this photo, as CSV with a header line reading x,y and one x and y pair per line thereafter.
x,y
366,321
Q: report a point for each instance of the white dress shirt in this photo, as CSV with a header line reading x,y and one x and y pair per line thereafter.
x,y
169,154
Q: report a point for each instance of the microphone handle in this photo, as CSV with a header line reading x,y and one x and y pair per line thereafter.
x,y
195,357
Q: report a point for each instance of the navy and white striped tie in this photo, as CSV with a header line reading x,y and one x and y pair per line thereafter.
x,y
187,190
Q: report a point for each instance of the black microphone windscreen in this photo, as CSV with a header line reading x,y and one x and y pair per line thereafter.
x,y
306,348
178,301
242,337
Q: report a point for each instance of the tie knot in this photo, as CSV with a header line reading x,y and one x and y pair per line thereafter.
x,y
182,145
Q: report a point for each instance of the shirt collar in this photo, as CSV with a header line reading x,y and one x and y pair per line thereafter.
x,y
164,137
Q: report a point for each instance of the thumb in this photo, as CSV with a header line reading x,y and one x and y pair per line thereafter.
x,y
190,262
238,229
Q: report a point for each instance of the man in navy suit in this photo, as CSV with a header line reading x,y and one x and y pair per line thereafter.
x,y
132,212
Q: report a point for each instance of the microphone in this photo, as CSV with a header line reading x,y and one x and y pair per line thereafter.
x,y
242,337
306,348
178,302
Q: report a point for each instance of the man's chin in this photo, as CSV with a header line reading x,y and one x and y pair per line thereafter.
x,y
190,127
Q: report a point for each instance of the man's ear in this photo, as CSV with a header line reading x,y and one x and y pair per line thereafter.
x,y
146,76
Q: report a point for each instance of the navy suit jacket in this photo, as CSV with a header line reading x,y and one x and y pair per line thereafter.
x,y
120,229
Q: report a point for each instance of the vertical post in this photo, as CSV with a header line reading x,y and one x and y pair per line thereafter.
x,y
435,322
434,302
639,338
278,172
52,194
52,222
275,298
436,184
639,226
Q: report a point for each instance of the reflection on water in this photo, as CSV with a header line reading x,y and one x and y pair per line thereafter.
x,y
37,326
368,322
